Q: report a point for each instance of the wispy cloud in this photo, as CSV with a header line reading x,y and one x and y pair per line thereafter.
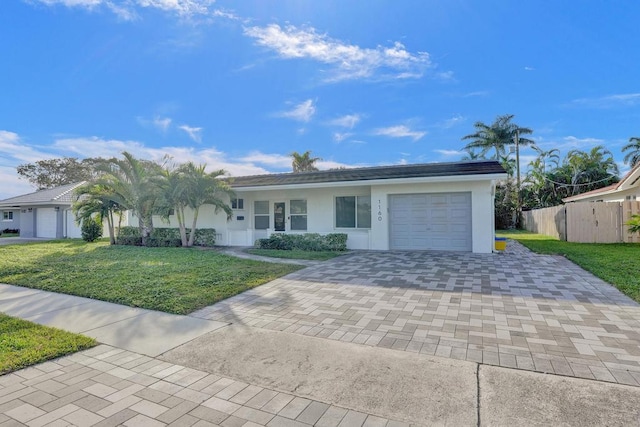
x,y
449,153
162,124
400,131
609,101
453,121
194,133
128,9
348,61
346,121
341,136
301,112
477,93
529,69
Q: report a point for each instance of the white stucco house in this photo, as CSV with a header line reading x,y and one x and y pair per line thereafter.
x,y
432,206
628,188
45,213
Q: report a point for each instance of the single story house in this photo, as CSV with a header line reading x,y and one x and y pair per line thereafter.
x,y
44,213
432,206
628,188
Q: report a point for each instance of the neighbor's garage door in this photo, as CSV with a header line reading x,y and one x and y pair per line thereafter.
x,y
436,221
46,222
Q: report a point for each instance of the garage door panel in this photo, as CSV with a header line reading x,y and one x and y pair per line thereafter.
x,y
46,222
427,221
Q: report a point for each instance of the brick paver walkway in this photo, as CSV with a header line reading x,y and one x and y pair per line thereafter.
x,y
516,309
107,386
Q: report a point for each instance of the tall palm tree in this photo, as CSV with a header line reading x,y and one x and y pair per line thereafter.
x,y
97,200
190,186
472,154
632,158
132,185
303,162
497,136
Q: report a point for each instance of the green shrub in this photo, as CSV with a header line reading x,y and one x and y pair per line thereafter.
x,y
305,242
91,229
165,237
634,224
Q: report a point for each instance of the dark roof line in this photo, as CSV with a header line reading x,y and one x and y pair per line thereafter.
x,y
422,170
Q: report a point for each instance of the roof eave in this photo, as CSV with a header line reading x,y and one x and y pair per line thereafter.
x,y
365,182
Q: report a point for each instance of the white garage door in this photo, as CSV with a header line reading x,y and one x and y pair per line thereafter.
x,y
437,221
46,222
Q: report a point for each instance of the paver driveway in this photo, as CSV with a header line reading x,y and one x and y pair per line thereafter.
x,y
516,309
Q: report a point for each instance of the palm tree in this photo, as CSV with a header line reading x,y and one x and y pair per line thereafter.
x,y
190,186
472,154
131,183
497,136
96,200
303,162
632,158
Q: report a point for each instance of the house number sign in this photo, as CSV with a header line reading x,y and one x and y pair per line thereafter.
x,y
379,210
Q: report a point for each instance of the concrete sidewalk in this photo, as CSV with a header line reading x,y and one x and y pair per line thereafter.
x,y
143,331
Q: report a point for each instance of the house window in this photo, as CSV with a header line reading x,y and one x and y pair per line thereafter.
x,y
298,209
7,216
261,215
237,204
632,197
353,212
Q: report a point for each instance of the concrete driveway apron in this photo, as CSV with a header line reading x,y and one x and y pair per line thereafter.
x,y
516,309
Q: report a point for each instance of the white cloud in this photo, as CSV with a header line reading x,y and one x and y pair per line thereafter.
x,y
341,136
162,124
609,101
301,112
13,149
346,121
450,153
274,160
529,68
194,133
127,9
348,61
453,121
572,141
477,93
400,131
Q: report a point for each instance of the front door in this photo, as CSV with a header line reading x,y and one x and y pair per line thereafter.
x,y
278,216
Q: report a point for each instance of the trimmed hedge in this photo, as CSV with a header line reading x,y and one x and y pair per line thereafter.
x,y
165,237
91,229
304,242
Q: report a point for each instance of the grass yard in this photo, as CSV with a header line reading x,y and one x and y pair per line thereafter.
x,y
9,235
173,280
616,263
296,254
24,343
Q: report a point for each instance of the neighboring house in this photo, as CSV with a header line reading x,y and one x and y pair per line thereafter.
x,y
435,206
45,213
9,219
438,206
627,189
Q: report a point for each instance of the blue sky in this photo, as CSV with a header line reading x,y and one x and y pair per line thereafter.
x,y
240,85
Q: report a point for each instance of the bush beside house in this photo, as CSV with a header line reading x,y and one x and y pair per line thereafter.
x,y
164,237
304,242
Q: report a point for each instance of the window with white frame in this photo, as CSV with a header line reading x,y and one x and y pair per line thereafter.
x,y
261,215
353,212
7,215
298,210
237,204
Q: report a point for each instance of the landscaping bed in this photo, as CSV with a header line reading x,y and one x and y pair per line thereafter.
x,y
616,263
25,343
173,280
296,254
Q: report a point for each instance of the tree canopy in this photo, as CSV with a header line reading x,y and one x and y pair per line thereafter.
x,y
303,162
51,173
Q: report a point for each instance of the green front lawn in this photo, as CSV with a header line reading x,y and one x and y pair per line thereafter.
x,y
173,280
616,263
296,254
24,343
